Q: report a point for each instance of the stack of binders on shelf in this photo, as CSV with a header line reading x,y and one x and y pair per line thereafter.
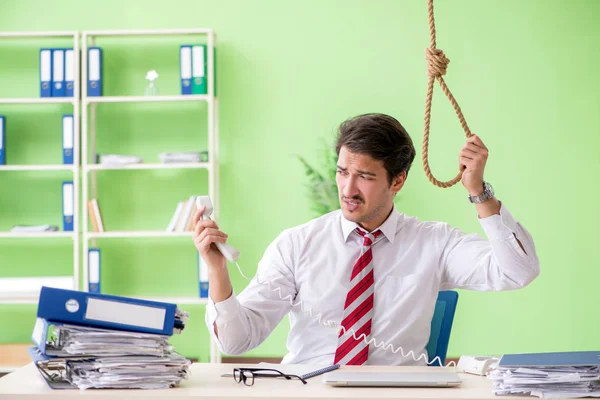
x,y
84,340
57,72
193,69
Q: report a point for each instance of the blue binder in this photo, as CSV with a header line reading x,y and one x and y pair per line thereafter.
x,y
185,68
560,359
45,73
2,140
107,311
94,270
68,206
69,72
94,71
58,73
68,135
202,277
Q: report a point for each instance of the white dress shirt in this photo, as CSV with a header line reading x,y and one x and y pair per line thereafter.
x,y
310,265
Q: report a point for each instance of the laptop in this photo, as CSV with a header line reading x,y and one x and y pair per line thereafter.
x,y
392,379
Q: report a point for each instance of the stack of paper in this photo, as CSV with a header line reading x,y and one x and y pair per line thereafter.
x,y
73,350
34,228
117,159
184,157
81,340
549,375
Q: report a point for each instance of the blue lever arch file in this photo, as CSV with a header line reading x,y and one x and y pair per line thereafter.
x,y
45,73
560,359
107,311
68,207
69,72
94,270
2,140
94,71
185,68
58,72
68,138
202,277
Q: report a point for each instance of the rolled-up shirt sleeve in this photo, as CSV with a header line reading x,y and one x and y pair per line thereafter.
x,y
469,261
244,321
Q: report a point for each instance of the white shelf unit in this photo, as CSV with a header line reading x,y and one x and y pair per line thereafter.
x,y
89,105
27,297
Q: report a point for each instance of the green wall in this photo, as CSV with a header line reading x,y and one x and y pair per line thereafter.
x,y
524,73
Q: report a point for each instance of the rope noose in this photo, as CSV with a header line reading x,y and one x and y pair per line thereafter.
x,y
437,63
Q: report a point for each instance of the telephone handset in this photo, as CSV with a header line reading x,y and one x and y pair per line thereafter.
x,y
228,251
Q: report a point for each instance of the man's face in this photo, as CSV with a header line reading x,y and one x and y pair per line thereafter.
x,y
365,194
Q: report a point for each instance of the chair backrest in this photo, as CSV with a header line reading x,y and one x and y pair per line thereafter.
x,y
441,325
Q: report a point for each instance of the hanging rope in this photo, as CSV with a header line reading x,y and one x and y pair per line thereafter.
x,y
437,63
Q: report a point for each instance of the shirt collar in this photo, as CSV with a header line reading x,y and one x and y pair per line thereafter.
x,y
388,228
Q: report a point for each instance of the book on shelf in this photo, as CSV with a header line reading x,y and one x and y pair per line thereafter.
x,y
95,216
183,218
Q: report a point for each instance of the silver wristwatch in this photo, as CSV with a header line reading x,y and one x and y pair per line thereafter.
x,y
488,193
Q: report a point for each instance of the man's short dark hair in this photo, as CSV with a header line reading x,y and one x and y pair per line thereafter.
x,y
380,136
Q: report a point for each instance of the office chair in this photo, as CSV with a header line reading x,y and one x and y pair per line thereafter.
x,y
441,325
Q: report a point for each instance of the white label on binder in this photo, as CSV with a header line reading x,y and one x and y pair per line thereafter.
x,y
203,272
68,132
198,61
125,313
59,67
68,199
69,66
45,66
186,63
94,263
94,65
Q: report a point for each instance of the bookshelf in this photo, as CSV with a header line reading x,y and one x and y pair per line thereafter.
x,y
25,289
90,116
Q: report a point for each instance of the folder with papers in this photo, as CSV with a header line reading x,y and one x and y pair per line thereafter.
x,y
45,73
94,71
94,270
69,72
549,375
68,206
2,140
70,356
68,138
58,73
112,312
185,69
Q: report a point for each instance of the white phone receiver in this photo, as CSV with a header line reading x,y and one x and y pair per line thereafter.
x,y
228,251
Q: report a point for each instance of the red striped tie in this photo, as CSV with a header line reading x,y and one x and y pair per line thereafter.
x,y
358,310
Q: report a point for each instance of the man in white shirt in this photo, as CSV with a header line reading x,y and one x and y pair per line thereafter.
x,y
365,278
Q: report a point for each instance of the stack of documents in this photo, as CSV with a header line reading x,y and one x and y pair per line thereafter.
x,y
184,157
34,228
90,340
117,159
549,375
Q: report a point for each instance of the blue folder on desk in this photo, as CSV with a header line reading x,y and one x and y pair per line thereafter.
x,y
560,359
106,311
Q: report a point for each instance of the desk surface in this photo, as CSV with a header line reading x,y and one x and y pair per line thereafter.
x,y
206,382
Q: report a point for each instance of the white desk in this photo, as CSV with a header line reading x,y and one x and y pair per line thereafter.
x,y
206,383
